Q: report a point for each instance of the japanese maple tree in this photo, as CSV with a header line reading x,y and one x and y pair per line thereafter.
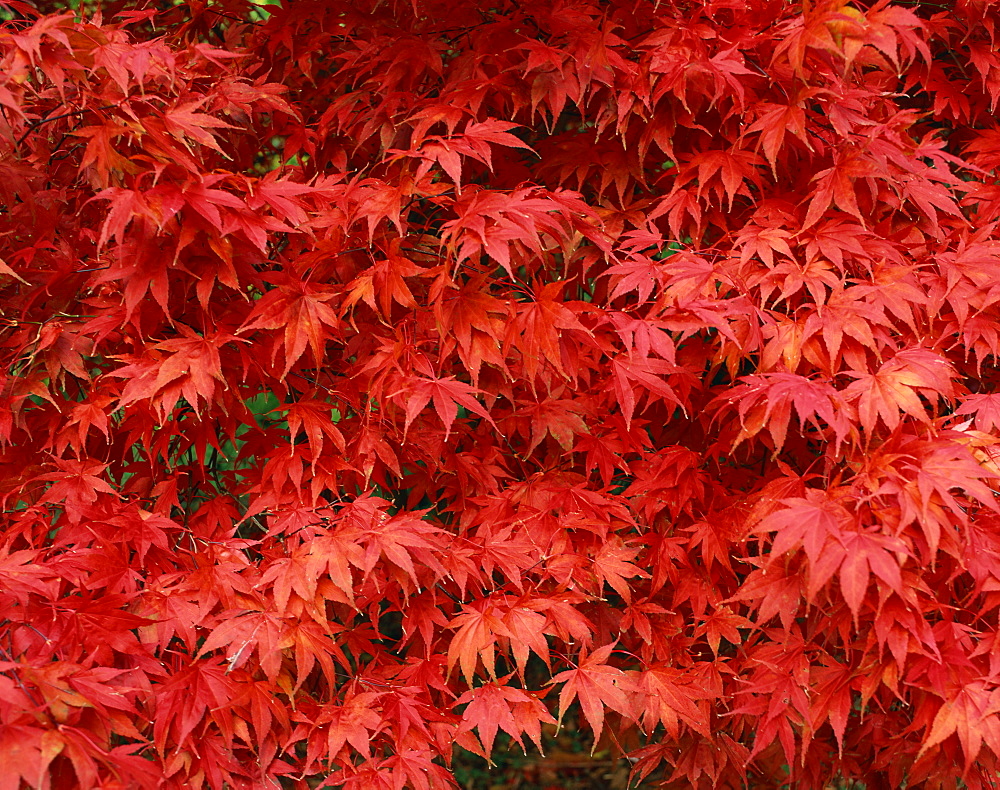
x,y
385,378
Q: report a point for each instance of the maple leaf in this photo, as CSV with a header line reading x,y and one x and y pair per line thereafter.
x,y
383,284
28,752
447,394
314,419
493,707
671,699
401,539
722,623
848,315
301,310
972,715
923,486
613,564
528,629
833,543
767,400
896,388
499,224
540,326
561,419
631,374
596,686
188,695
77,483
763,242
835,698
477,629
836,187
185,123
775,121
353,722
474,142
187,367
245,633
102,151
731,167
985,410
638,273
776,592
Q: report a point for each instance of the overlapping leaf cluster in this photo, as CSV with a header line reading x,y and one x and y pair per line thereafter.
x,y
377,378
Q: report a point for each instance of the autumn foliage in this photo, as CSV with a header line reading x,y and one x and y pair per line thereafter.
x,y
383,379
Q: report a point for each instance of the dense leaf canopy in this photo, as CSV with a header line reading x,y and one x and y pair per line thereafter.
x,y
384,378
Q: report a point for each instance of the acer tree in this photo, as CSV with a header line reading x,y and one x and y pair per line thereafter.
x,y
381,378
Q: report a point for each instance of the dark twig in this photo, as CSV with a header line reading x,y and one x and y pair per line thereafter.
x,y
33,126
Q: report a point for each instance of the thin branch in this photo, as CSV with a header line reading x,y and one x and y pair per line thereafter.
x,y
33,126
